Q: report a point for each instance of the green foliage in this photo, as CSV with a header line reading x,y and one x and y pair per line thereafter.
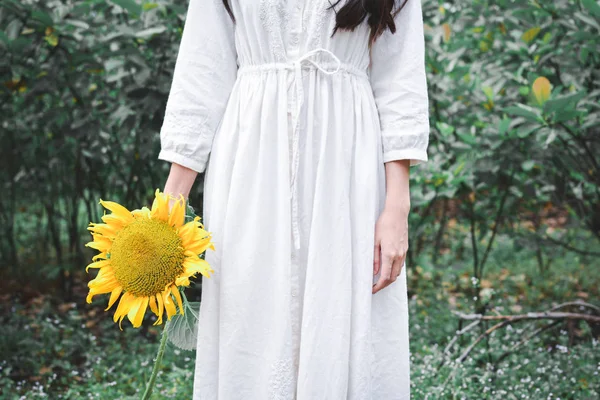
x,y
503,155
559,362
77,352
84,86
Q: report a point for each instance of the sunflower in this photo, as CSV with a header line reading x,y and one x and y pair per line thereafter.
x,y
145,256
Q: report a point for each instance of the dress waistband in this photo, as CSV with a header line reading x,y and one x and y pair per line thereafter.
x,y
306,64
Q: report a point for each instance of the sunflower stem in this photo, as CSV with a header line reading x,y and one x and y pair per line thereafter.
x,y
157,362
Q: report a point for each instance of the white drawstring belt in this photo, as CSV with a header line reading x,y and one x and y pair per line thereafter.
x,y
296,127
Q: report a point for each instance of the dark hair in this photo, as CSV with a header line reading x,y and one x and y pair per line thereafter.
x,y
379,14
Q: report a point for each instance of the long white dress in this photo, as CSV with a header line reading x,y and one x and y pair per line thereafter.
x,y
292,127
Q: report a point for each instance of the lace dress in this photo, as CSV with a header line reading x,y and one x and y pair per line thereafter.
x,y
292,127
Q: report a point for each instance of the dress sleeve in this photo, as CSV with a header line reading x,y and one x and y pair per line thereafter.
x,y
399,83
205,71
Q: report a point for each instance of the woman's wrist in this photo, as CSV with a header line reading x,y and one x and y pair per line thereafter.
x,y
179,182
397,198
396,206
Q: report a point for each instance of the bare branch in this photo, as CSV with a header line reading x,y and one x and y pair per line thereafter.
x,y
528,316
578,303
527,339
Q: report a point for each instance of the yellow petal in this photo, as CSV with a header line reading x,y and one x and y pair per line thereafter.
x,y
123,308
105,275
120,321
114,220
197,245
177,295
144,212
169,305
177,213
97,264
102,287
160,207
118,209
138,318
100,243
99,256
182,281
109,231
187,229
193,265
161,308
133,310
153,307
114,295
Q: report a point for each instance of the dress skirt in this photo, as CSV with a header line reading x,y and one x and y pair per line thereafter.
x,y
287,323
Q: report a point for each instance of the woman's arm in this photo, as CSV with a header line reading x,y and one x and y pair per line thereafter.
x,y
180,181
205,72
399,86
391,230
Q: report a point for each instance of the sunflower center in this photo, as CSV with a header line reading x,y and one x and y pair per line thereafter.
x,y
146,256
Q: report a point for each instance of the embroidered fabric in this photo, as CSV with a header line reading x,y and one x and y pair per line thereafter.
x,y
281,381
406,136
273,15
314,20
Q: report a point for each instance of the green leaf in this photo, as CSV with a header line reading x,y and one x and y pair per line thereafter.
x,y
525,130
42,17
78,23
190,212
444,128
147,33
528,165
131,6
563,102
588,20
522,110
503,125
19,44
530,34
592,6
565,115
489,92
149,6
467,138
4,40
547,37
182,330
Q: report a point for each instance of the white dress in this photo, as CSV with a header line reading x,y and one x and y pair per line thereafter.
x,y
293,127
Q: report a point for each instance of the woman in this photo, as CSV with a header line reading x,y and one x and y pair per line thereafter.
x,y
305,117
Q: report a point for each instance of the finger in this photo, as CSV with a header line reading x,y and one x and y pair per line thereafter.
x,y
376,258
396,268
386,274
402,264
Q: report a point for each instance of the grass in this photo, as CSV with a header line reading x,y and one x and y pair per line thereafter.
x,y
56,350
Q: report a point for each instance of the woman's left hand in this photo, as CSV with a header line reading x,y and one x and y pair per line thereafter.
x,y
391,245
